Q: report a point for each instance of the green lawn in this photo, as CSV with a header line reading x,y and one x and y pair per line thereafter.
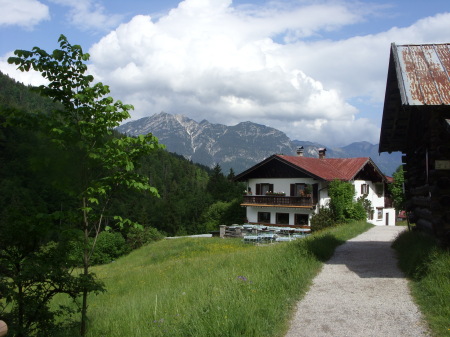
x,y
209,287
428,268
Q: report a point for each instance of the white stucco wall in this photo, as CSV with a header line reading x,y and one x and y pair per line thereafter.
x,y
283,185
252,213
280,184
382,216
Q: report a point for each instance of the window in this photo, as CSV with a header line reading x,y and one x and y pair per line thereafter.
x,y
301,219
262,189
297,190
264,217
364,188
370,214
283,218
379,213
379,188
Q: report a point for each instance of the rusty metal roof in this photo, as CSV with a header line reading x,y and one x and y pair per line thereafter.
x,y
423,73
418,78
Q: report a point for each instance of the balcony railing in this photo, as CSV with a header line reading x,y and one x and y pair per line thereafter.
x,y
278,200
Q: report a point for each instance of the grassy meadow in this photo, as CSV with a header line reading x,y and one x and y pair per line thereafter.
x,y
209,287
428,268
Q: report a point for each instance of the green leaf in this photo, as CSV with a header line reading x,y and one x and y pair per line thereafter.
x,y
93,200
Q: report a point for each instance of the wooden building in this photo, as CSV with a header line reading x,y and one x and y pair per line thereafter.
x,y
416,121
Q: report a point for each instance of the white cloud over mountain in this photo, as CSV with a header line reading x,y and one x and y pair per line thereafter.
x,y
209,60
281,64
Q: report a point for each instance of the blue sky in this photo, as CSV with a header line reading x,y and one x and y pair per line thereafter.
x,y
315,69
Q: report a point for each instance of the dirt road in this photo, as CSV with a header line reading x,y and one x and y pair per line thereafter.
x,y
360,292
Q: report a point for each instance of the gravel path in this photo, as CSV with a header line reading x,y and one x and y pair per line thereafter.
x,y
360,292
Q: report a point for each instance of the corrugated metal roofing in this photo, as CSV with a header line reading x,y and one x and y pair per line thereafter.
x,y
329,168
418,80
423,73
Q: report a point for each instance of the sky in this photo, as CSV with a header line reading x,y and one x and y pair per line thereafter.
x,y
314,69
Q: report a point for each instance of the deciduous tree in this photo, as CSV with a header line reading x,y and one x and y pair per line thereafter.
x,y
84,128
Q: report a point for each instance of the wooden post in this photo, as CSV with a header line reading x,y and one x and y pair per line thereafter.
x,y
222,231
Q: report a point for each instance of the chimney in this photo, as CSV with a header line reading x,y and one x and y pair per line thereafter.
x,y
322,151
300,151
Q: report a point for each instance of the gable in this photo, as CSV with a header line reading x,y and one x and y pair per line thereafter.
x,y
417,83
325,169
273,167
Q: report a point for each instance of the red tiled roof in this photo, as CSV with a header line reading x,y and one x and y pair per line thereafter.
x,y
329,168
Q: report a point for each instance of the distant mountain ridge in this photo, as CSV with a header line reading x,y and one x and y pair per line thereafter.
x,y
242,145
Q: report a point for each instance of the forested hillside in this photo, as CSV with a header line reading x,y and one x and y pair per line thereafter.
x,y
74,192
31,166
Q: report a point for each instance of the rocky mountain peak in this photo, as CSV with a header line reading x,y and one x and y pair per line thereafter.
x,y
240,146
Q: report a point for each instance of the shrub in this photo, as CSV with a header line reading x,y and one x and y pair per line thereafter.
x,y
355,211
341,199
221,213
324,219
109,246
137,237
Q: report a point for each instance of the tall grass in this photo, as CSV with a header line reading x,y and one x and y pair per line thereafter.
x,y
209,287
428,268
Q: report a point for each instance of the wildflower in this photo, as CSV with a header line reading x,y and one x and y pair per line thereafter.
x,y
242,278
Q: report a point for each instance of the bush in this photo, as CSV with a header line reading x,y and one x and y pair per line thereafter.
x,y
221,213
137,237
341,199
109,247
324,219
355,212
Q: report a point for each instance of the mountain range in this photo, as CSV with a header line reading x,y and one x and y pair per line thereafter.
x,y
243,145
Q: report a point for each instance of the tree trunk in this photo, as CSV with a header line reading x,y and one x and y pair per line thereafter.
x,y
85,272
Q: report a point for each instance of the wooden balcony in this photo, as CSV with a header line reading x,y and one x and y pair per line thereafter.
x,y
278,201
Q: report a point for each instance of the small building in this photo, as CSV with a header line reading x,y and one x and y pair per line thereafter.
x,y
416,122
288,190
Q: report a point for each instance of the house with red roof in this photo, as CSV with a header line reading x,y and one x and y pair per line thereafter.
x,y
288,190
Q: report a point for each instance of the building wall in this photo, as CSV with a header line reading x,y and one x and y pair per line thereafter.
x,y
252,213
380,217
279,184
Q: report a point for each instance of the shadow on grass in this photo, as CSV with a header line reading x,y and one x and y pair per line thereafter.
x,y
323,247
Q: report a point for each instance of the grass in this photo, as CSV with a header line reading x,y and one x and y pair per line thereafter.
x,y
209,287
428,268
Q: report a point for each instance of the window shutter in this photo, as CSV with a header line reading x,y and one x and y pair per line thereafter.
x,y
271,188
315,193
292,190
258,189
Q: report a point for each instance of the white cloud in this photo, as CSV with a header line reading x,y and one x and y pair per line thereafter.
x,y
25,13
28,78
89,15
273,65
207,59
